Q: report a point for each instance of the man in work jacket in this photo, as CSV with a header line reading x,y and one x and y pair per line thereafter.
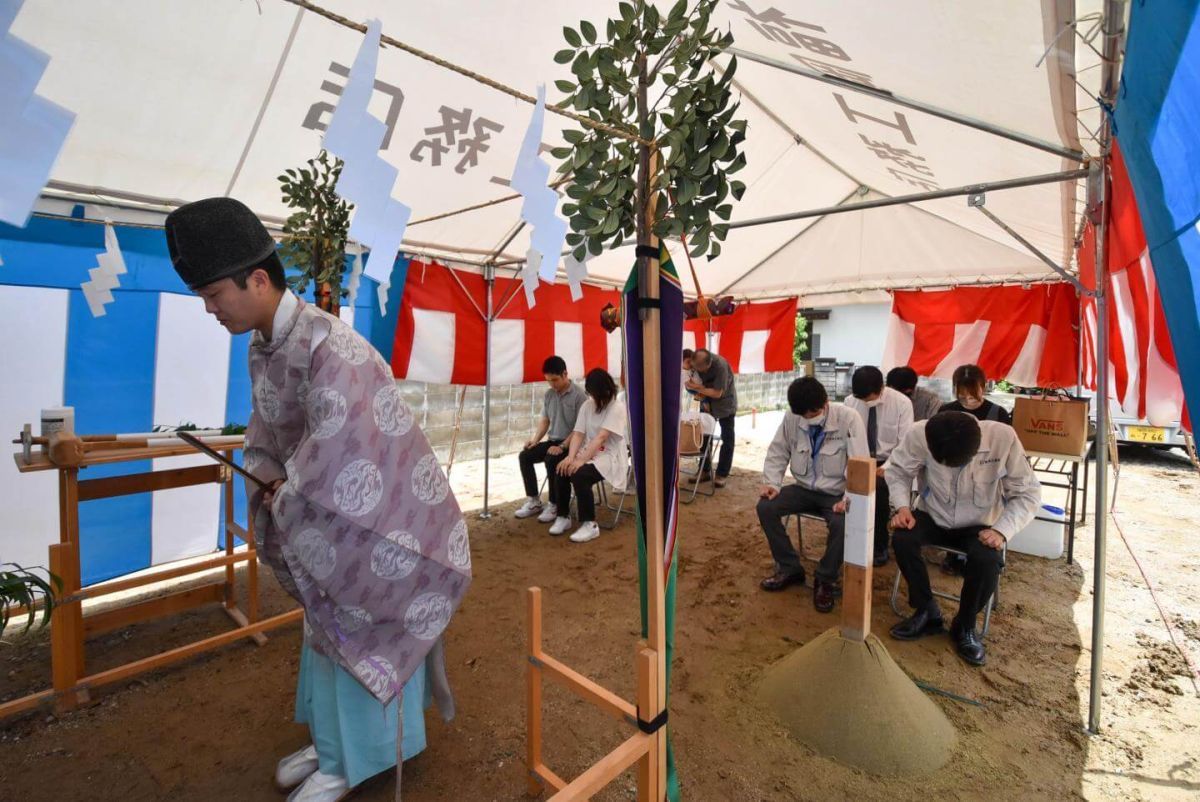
x,y
817,439
976,490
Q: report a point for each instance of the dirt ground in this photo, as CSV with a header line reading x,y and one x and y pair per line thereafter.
x,y
213,728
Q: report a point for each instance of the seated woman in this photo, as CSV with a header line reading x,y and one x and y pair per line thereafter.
x,y
969,386
597,452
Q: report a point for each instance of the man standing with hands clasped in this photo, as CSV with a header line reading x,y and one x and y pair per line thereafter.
x,y
359,525
717,389
976,490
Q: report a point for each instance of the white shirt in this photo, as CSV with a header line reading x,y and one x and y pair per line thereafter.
x,y
997,488
893,419
283,312
844,436
612,460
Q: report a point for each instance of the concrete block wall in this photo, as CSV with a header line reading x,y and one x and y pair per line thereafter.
x,y
516,409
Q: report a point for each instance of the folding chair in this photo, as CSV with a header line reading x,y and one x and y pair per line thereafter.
x,y
607,502
703,460
800,519
992,602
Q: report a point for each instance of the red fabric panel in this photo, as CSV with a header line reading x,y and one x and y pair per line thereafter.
x,y
554,304
1009,312
776,317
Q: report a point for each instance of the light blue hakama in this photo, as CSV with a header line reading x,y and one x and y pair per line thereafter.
x,y
354,734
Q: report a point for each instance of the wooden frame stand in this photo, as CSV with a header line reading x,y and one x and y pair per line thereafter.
x,y
68,626
640,748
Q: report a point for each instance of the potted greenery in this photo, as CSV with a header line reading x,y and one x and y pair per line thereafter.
x,y
20,587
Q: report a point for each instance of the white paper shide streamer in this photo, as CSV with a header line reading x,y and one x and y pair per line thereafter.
x,y
32,129
354,136
540,208
110,264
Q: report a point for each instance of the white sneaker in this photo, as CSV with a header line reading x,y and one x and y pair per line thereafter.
x,y
296,768
530,508
549,514
588,530
561,525
321,788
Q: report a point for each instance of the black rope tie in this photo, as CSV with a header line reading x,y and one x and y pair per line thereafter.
x,y
649,251
653,726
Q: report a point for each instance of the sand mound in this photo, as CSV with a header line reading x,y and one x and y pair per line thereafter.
x,y
850,701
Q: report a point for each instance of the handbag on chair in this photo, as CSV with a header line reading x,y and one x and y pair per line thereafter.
x,y
691,436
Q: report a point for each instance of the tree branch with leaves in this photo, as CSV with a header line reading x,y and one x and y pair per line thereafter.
x,y
691,124
314,235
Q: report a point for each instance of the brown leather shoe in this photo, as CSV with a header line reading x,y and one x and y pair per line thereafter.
x,y
719,481
779,580
823,596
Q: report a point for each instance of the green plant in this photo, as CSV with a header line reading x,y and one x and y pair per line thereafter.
x,y
698,141
314,235
800,343
20,587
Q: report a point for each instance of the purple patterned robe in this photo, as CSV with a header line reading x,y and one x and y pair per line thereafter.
x,y
365,532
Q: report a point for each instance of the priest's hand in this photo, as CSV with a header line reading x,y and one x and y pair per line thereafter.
x,y
269,494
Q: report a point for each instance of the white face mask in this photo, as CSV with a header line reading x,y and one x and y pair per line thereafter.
x,y
970,402
874,403
819,420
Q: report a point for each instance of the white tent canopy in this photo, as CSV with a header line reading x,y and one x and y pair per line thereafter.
x,y
178,100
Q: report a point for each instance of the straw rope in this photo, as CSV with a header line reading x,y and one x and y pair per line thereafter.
x,y
474,76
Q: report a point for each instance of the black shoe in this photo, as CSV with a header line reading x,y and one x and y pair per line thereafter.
x,y
968,645
918,625
823,594
779,580
953,564
881,557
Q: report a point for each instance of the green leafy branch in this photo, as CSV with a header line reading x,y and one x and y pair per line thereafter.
x,y
314,235
699,140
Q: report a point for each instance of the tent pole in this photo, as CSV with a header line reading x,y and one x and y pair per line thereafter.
x,y
916,105
1029,246
900,200
1112,25
489,275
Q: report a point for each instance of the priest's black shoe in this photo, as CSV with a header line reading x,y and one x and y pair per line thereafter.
x,y
968,645
921,623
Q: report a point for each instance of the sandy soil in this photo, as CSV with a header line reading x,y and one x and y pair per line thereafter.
x,y
213,728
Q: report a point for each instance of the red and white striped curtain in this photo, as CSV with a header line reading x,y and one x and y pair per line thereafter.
x,y
1143,376
1027,335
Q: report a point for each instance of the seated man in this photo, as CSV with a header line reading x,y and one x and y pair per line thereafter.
x,y
888,415
817,439
560,407
976,491
925,403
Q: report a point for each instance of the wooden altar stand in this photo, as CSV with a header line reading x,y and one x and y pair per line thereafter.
x,y
69,627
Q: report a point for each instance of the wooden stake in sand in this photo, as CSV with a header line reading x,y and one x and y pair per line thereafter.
x,y
841,693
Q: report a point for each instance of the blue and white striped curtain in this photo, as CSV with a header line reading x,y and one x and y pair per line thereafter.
x,y
155,358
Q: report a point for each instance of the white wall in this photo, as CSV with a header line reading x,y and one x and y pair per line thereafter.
x,y
854,333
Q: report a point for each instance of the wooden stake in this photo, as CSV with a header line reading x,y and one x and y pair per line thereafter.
x,y
533,691
859,551
654,518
